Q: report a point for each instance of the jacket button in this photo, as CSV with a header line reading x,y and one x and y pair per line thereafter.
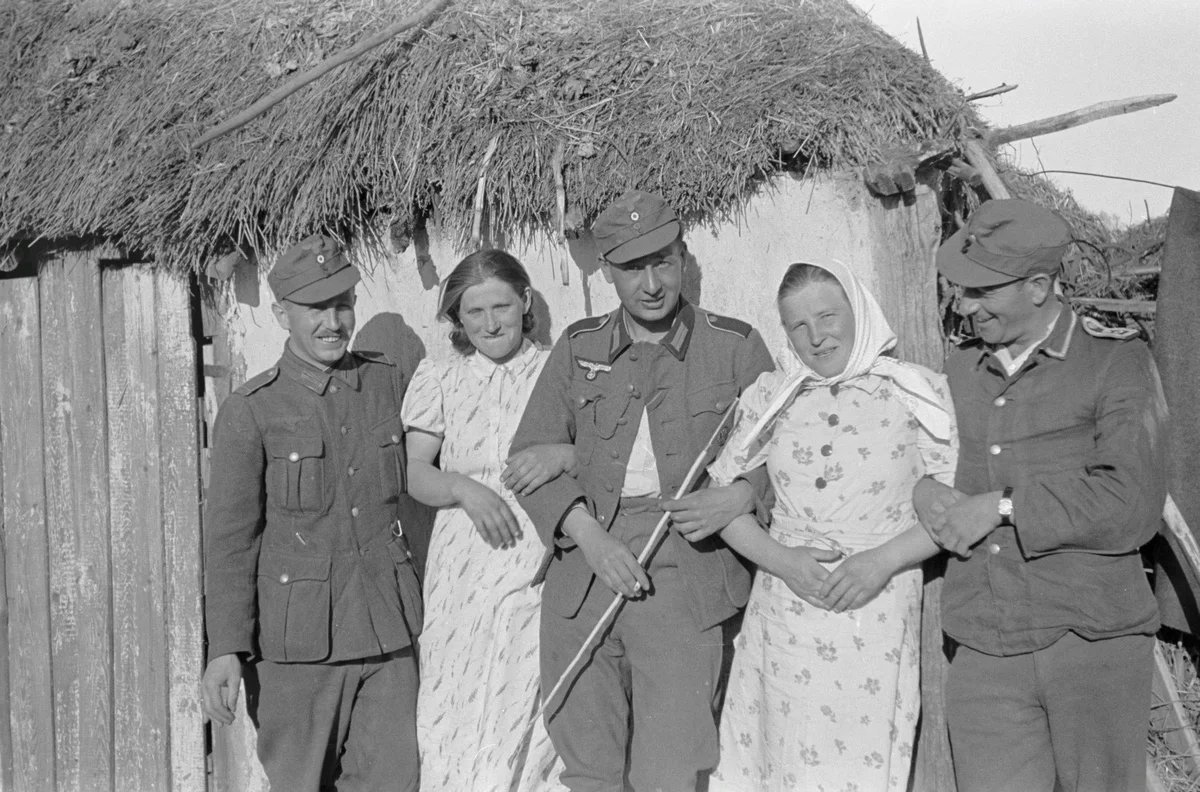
x,y
284,578
994,450
354,511
350,471
293,457
993,548
1000,401
615,454
581,402
633,356
622,421
600,518
333,388
345,429
395,438
608,487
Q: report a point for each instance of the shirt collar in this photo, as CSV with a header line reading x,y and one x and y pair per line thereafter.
x,y
676,340
486,367
1057,341
315,379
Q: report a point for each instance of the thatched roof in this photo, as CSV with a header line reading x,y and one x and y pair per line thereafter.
x,y
696,99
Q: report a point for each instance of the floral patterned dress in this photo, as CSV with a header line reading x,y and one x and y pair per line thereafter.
x,y
479,647
825,701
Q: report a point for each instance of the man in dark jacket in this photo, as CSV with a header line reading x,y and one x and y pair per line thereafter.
x,y
309,586
1060,481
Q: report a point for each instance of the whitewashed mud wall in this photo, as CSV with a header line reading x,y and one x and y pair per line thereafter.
x,y
738,264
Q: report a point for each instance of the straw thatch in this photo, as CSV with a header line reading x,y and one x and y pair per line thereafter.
x,y
696,99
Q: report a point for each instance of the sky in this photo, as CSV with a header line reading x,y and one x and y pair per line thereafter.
x,y
1065,55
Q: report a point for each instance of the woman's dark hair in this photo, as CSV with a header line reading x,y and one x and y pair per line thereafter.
x,y
472,271
800,275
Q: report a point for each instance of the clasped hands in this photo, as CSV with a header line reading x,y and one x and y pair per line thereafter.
x,y
954,520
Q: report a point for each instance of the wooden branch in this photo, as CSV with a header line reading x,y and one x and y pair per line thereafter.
x,y
1002,88
1045,126
299,81
980,162
1145,307
921,38
480,189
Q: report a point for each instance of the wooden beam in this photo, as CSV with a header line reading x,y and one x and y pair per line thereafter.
x,y
1143,307
299,81
992,182
1085,115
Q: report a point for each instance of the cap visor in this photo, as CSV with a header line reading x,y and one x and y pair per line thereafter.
x,y
644,245
322,290
960,270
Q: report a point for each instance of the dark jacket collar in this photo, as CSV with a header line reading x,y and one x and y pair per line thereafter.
x,y
677,339
315,379
1055,345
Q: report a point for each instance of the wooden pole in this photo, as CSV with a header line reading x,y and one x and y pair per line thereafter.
x,y
1085,115
299,81
1143,307
980,162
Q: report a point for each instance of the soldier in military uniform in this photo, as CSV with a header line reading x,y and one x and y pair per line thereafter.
x,y
309,586
638,392
1060,481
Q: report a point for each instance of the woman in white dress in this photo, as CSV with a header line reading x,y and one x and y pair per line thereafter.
x,y
479,647
823,692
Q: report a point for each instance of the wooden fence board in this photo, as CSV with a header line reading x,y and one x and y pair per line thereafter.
x,y
140,723
6,754
76,465
178,439
31,715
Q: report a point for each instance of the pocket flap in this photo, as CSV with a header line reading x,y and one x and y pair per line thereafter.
x,y
293,448
389,431
289,567
713,398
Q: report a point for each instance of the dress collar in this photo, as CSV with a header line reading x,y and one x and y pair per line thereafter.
x,y
485,367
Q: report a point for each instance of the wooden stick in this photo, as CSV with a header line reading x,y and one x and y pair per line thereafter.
x,y
660,531
980,162
477,225
1075,118
1144,307
330,63
1169,717
1002,88
560,199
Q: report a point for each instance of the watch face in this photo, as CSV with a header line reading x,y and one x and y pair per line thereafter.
x,y
1006,507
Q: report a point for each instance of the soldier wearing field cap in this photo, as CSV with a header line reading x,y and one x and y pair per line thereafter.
x,y
1060,481
309,587
639,391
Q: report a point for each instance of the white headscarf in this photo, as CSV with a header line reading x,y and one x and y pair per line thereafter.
x,y
872,337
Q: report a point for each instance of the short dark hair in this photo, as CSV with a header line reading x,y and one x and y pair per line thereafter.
x,y
472,271
801,274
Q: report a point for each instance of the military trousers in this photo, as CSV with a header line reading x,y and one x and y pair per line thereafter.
x,y
1071,717
644,703
348,726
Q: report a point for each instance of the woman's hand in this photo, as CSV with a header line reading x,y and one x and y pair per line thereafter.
x,y
800,568
857,580
491,515
612,561
533,467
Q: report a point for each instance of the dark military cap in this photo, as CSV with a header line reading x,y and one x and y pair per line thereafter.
x,y
1003,241
311,271
635,225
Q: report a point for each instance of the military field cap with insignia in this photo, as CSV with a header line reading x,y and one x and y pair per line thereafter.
x,y
1004,240
311,271
635,225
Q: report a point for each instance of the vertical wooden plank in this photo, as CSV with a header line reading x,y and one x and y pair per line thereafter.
x,y
140,723
6,754
180,472
77,520
31,715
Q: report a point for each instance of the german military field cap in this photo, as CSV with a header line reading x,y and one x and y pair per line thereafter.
x,y
1004,240
311,271
635,225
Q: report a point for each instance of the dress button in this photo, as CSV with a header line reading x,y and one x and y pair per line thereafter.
x,y
833,420
354,511
821,483
826,450
284,578
994,450
293,457
1000,401
993,548
833,389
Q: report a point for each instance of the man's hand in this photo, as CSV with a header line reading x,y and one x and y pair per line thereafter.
x,y
857,580
966,522
219,688
491,515
702,513
613,562
931,499
529,469
800,568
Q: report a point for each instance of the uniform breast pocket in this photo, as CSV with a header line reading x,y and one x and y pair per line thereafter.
x,y
599,413
296,468
706,407
388,436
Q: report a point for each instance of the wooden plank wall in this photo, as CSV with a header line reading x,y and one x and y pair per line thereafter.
x,y
100,482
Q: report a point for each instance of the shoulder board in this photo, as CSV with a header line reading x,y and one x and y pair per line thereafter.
x,y
728,324
374,357
1096,329
257,381
589,325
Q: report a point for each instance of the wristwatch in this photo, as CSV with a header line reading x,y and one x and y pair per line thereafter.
x,y
1006,507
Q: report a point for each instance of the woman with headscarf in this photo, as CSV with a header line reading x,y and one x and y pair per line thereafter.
x,y
823,691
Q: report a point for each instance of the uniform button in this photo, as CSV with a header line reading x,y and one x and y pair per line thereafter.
x,y
581,402
354,511
1000,401
720,405
615,454
633,356
345,429
622,421
395,438
333,388
826,450
293,457
993,548
608,487
599,518
994,450
284,578
833,420
349,471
